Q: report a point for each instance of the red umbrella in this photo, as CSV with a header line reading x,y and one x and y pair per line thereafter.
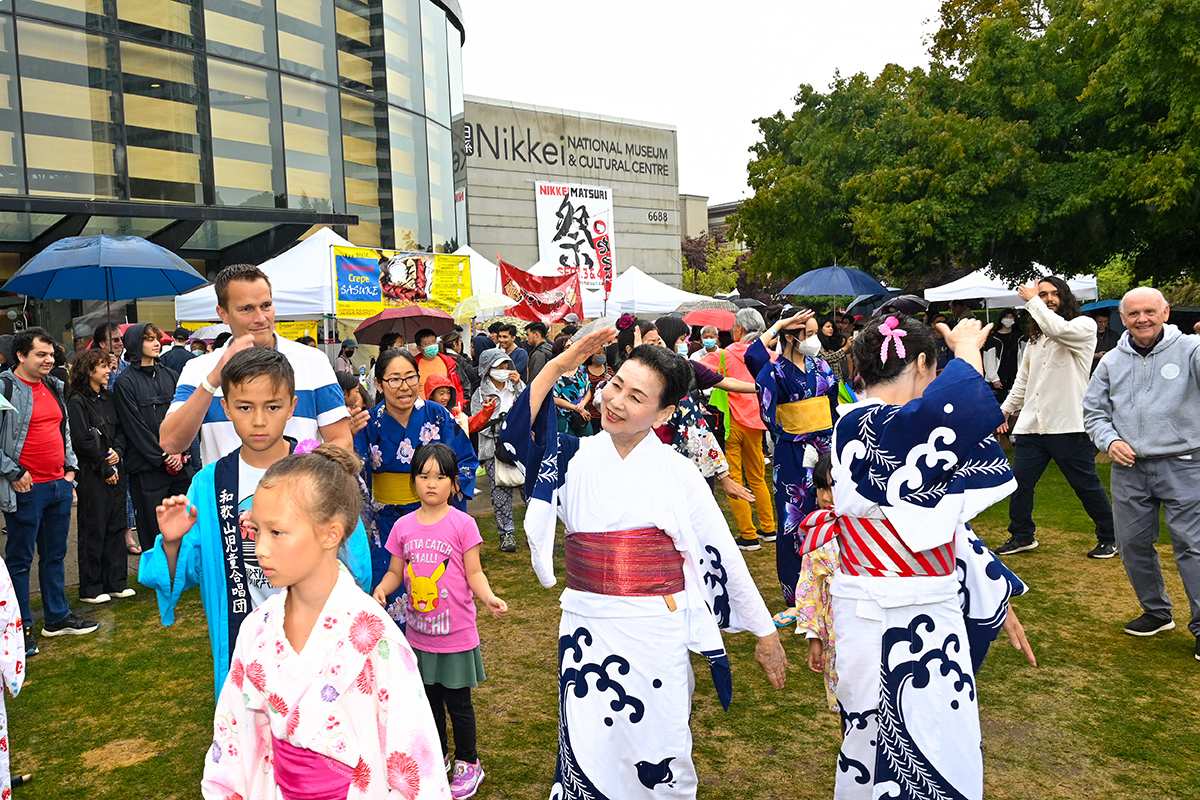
x,y
719,318
405,321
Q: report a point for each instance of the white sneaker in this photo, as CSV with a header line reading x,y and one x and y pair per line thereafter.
x,y
95,601
126,592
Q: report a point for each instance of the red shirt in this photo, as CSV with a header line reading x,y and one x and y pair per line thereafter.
x,y
44,452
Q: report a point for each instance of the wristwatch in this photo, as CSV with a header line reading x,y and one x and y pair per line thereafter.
x,y
208,387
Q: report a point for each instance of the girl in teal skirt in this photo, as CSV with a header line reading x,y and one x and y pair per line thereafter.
x,y
435,553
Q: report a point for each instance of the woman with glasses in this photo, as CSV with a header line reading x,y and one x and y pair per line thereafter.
x,y
400,423
798,394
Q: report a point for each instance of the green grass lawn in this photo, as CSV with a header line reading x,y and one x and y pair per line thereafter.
x,y
127,713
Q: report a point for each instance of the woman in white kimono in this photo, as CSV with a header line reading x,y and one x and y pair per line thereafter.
x,y
12,671
652,574
917,598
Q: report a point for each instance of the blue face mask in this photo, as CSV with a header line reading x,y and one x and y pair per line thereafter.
x,y
681,348
709,344
430,350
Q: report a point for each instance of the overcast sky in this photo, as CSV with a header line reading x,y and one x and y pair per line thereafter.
x,y
708,68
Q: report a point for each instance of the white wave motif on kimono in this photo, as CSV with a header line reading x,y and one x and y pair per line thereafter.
x,y
354,694
908,648
625,676
12,667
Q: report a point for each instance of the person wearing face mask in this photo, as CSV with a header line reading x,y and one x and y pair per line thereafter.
x,y
499,386
599,373
798,398
431,361
1002,354
708,342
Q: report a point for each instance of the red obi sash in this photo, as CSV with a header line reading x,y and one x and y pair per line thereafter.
x,y
872,547
634,563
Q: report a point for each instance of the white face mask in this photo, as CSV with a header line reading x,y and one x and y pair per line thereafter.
x,y
499,374
810,346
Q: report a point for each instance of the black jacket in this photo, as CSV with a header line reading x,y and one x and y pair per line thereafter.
x,y
94,429
538,356
176,357
468,374
143,395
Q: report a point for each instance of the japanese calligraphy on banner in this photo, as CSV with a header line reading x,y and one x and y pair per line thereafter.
x,y
370,280
540,298
575,231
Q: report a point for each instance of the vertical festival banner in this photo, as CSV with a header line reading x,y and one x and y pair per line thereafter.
x,y
540,298
370,280
575,231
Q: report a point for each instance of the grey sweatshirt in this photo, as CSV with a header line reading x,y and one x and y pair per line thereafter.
x,y
1151,403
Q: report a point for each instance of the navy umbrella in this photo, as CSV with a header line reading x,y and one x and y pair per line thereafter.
x,y
103,268
827,281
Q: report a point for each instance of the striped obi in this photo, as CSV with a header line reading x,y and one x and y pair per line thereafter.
x,y
871,547
634,563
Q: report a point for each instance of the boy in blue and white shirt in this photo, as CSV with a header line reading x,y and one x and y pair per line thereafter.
x,y
244,303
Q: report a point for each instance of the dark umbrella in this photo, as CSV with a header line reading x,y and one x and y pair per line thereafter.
x,y
834,281
104,268
865,303
905,304
748,302
405,321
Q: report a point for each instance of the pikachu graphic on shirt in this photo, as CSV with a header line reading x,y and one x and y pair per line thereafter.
x,y
423,591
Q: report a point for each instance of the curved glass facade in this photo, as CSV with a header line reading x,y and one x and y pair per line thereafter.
x,y
328,106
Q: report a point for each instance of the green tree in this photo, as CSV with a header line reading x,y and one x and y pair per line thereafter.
x,y
710,266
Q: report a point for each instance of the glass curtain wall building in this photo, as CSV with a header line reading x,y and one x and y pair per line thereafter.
x,y
226,129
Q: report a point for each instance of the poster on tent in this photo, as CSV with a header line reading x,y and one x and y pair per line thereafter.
x,y
575,232
540,298
370,280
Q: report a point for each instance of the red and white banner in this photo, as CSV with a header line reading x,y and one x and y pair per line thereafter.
x,y
575,232
545,299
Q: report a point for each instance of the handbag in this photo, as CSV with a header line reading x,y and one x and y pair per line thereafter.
x,y
509,476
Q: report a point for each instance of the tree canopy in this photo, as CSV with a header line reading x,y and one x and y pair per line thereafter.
x,y
1057,132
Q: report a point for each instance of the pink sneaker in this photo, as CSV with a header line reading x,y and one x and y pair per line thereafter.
x,y
466,780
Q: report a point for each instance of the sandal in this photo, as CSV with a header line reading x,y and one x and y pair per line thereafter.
x,y
785,618
132,545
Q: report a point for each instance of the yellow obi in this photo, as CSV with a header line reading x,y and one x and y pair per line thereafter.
x,y
393,488
805,416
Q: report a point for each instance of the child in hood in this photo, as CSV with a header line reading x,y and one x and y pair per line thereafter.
x,y
440,390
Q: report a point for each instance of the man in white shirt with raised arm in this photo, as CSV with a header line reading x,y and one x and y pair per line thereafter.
x,y
1047,399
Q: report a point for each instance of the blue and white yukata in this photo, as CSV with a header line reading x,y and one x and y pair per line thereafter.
x,y
782,384
387,448
213,554
909,647
625,675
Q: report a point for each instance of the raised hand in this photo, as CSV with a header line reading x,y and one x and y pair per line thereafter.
x,y
582,349
175,517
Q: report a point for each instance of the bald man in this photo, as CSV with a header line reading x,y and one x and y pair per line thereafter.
x,y
1141,409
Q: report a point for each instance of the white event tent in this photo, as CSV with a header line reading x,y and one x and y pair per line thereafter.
x,y
301,282
997,293
636,292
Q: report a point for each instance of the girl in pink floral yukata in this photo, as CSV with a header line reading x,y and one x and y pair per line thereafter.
x,y
324,696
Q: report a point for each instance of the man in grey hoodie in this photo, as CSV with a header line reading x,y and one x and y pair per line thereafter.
x,y
1141,409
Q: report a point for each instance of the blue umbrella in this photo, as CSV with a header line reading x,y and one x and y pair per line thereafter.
x,y
839,281
1100,305
103,268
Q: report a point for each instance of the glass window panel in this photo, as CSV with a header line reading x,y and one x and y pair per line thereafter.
x,y
441,189
124,226
358,60
436,62
244,111
84,13
241,29
310,128
457,121
161,127
402,46
364,140
454,49
410,181
11,158
306,33
17,226
169,22
219,235
67,87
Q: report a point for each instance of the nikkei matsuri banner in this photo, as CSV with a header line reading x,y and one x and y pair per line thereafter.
x,y
370,280
575,232
540,298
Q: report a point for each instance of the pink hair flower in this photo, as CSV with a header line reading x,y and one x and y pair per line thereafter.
x,y
891,331
306,446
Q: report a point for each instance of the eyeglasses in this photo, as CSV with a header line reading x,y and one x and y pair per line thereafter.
x,y
395,381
